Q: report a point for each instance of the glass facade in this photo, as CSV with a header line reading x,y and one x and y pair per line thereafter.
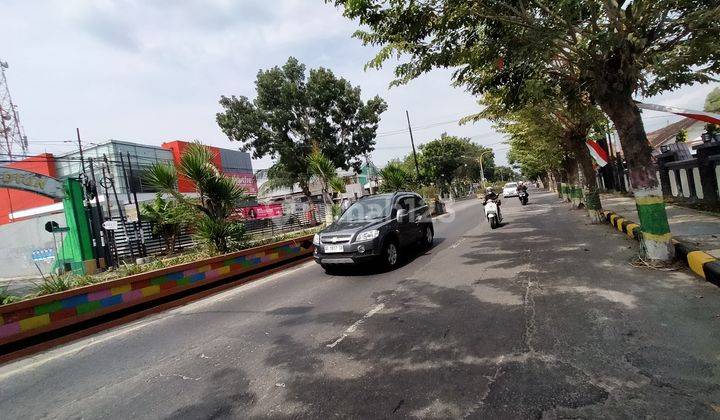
x,y
141,158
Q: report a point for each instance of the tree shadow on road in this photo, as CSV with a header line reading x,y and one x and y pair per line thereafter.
x,y
432,351
226,395
407,256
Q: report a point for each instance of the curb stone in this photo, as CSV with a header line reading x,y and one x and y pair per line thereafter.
x,y
700,262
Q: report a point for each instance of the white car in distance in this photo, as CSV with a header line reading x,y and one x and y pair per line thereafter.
x,y
510,190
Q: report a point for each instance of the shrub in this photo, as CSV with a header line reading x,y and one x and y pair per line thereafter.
x,y
54,284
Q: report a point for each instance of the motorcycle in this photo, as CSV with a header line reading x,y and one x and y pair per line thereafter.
x,y
523,196
492,214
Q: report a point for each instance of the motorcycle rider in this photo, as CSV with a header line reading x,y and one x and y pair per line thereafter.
x,y
522,187
491,195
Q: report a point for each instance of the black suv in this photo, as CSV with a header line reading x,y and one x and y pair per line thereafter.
x,y
375,227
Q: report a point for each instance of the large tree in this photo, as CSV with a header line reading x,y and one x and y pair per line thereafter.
x,y
448,157
292,112
618,49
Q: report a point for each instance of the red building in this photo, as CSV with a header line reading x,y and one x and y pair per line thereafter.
x,y
233,163
177,147
12,200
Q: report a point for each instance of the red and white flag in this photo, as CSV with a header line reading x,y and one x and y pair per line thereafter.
x,y
597,152
708,117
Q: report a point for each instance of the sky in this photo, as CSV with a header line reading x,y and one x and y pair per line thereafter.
x,y
153,71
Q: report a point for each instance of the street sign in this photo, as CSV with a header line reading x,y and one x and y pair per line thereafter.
x,y
110,225
53,227
43,254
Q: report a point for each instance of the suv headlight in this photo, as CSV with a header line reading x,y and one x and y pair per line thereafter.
x,y
367,235
316,239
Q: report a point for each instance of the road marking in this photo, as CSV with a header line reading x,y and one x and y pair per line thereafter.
x,y
357,323
40,359
457,243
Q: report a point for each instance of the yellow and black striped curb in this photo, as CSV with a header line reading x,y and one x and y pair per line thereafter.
x,y
631,229
700,262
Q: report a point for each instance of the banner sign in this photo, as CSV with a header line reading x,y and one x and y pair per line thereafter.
x,y
262,211
32,182
246,180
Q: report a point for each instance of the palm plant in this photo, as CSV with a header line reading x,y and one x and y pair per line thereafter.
x,y
323,169
169,218
218,198
394,178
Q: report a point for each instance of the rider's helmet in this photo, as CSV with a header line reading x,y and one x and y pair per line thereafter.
x,y
488,190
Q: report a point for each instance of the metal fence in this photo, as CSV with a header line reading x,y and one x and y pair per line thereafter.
x,y
127,239
689,176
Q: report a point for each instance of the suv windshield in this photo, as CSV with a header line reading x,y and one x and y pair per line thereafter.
x,y
511,185
368,209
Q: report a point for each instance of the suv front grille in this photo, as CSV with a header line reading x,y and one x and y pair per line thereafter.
x,y
335,239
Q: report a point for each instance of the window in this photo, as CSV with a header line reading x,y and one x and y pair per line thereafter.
x,y
372,208
407,203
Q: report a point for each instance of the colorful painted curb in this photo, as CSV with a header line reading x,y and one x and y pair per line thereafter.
x,y
700,262
46,313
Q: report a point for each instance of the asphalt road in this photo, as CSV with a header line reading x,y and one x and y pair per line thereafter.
x,y
543,317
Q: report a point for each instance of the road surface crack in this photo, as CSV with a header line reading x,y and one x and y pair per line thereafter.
x,y
530,323
483,397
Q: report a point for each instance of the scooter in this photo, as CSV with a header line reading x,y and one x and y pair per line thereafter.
x,y
523,196
492,214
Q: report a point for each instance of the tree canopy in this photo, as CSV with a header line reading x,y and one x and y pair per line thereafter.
x,y
291,112
613,49
712,101
445,158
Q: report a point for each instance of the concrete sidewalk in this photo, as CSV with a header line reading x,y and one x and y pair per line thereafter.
x,y
695,228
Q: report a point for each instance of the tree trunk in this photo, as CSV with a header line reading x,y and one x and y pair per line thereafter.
x,y
656,240
327,199
592,195
570,167
170,244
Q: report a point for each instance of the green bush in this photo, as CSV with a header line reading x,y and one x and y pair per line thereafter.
x,y
429,192
7,298
54,284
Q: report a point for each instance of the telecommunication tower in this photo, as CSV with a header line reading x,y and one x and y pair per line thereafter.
x,y
13,141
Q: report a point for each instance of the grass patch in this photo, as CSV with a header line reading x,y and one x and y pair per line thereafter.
x,y
54,284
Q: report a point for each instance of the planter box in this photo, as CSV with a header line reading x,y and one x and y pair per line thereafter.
x,y
46,313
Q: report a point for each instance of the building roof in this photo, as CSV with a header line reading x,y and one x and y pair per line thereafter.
x,y
111,141
665,134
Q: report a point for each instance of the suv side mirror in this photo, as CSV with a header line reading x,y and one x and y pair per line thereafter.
x,y
401,216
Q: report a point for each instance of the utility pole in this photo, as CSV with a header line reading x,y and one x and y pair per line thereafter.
x,y
371,173
111,234
412,142
82,159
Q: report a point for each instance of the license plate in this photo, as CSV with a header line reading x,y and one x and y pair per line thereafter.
x,y
333,248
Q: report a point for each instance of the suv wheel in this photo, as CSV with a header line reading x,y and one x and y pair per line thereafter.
x,y
428,236
390,254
